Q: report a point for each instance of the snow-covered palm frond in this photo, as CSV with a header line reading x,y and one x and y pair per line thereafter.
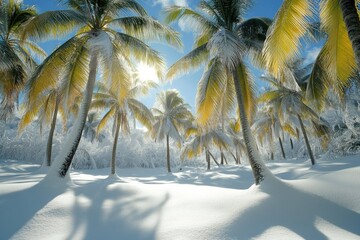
x,y
209,92
53,24
227,47
192,60
171,115
147,28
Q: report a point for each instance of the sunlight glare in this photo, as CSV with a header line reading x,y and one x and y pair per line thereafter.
x,y
146,73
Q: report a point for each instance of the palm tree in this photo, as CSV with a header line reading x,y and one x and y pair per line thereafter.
x,y
330,71
46,108
120,102
202,140
351,18
269,126
171,115
109,33
233,131
16,56
224,39
289,104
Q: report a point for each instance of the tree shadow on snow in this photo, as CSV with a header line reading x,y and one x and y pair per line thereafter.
x,y
299,213
17,208
114,211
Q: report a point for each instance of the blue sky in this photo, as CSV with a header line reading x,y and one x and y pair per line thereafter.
x,y
187,84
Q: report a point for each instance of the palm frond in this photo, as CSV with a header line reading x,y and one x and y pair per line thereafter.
x,y
338,47
53,24
192,60
209,92
283,40
147,28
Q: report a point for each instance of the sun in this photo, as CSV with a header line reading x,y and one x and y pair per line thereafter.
x,y
146,73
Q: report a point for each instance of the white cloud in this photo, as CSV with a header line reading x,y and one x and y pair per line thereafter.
x,y
166,3
312,54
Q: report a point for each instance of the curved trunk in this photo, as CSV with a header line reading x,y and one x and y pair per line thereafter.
x,y
258,167
167,153
113,156
51,133
351,19
72,140
306,140
282,148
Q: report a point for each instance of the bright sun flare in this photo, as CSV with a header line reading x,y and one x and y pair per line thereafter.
x,y
146,72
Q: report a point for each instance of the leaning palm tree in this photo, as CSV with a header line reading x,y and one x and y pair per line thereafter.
x,y
109,33
224,39
16,56
290,105
121,102
202,140
335,63
171,115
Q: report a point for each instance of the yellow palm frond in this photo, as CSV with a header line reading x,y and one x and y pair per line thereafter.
x,y
106,118
339,59
248,90
283,40
192,60
209,92
48,74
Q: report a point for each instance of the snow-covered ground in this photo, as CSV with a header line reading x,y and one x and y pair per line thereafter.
x,y
320,202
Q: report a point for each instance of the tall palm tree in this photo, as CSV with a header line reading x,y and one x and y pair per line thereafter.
x,y
109,32
121,102
202,141
223,40
335,63
16,56
171,115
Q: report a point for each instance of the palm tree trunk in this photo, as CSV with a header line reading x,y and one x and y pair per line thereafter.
x,y
68,151
282,148
292,144
306,140
167,154
237,152
351,19
212,156
51,133
113,157
207,156
257,165
222,157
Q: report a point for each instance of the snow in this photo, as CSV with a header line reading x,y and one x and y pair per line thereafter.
x,y
304,202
